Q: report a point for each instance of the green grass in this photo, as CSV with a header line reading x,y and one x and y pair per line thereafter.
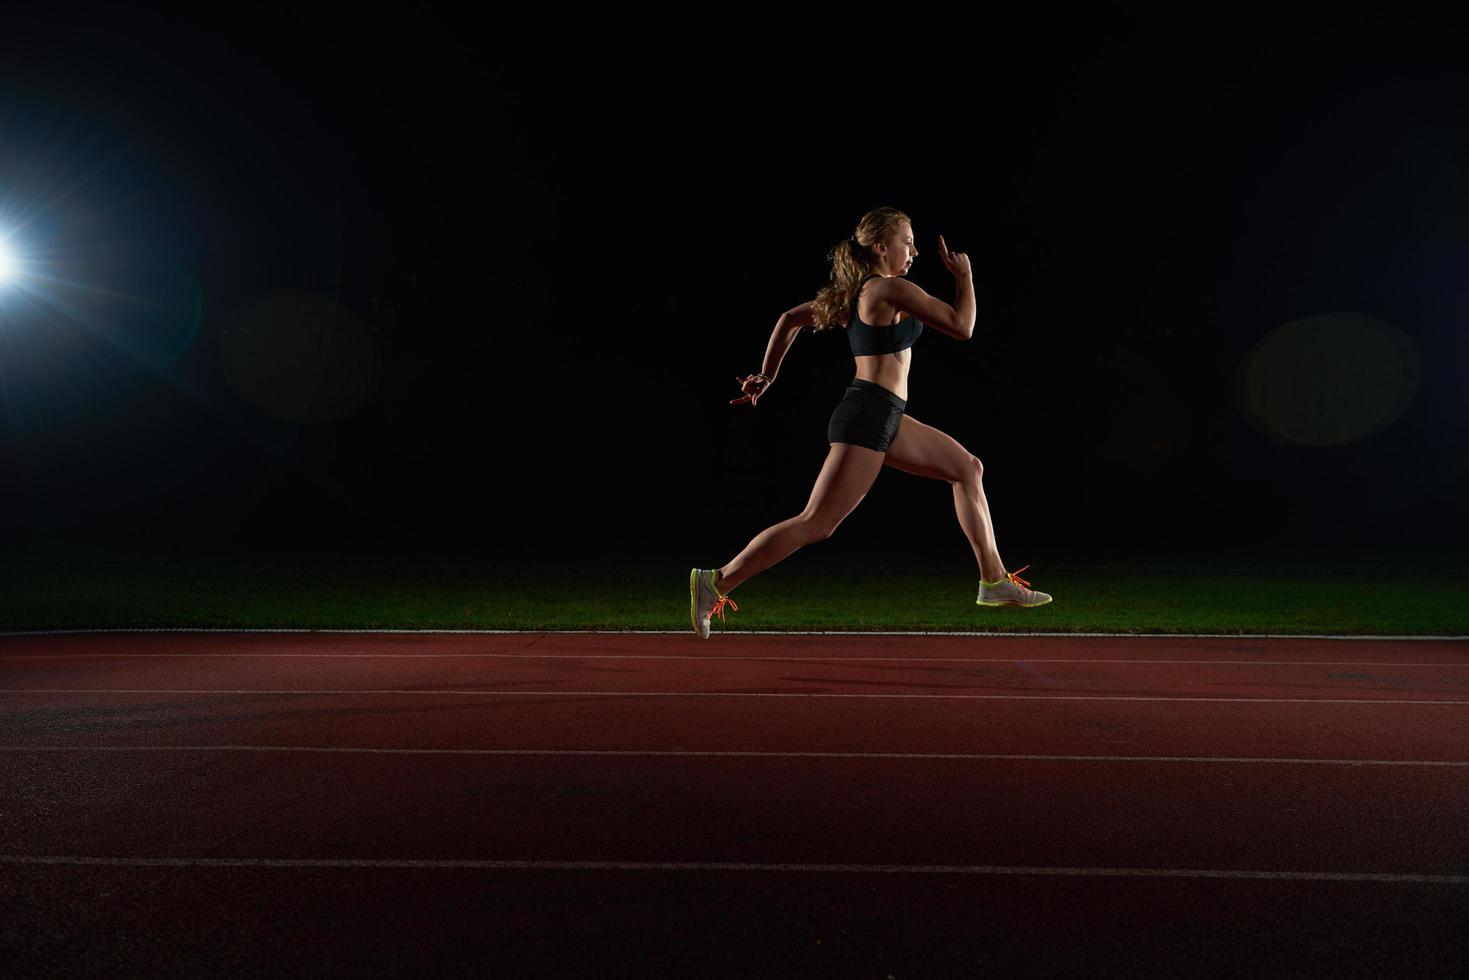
x,y
797,595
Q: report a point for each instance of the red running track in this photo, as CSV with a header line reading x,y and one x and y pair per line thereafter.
x,y
624,804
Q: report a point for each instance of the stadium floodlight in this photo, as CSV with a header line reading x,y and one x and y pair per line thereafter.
x,y
8,267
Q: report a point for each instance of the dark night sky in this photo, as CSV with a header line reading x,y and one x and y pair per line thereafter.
x,y
435,284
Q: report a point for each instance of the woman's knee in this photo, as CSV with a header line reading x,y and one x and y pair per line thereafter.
x,y
818,527
973,471
845,478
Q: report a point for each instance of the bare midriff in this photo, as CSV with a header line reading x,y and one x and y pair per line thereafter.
x,y
888,370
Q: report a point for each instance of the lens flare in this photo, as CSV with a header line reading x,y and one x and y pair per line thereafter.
x,y
9,267
300,357
1328,380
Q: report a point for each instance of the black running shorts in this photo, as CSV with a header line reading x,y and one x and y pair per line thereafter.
x,y
868,415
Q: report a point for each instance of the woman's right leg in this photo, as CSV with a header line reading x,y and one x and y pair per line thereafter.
x,y
845,478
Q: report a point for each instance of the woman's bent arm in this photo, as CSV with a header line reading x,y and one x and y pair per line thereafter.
x,y
964,303
786,330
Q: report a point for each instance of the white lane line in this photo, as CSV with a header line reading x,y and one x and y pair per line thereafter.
x,y
717,694
815,658
930,869
997,634
969,756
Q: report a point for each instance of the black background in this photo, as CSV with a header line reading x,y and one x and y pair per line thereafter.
x,y
557,245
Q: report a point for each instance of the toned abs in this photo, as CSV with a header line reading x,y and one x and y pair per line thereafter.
x,y
888,370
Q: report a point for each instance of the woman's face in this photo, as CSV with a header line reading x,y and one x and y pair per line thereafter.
x,y
895,256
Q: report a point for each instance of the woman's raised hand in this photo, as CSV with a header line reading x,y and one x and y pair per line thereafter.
x,y
753,385
955,262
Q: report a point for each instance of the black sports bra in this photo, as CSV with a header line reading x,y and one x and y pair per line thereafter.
x,y
867,339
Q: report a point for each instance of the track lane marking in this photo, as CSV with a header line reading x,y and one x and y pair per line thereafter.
x,y
728,694
973,756
735,659
996,634
935,869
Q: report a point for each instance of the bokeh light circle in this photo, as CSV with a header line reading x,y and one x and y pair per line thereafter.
x,y
1328,380
300,357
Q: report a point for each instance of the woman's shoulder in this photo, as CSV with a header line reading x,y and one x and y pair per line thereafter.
x,y
883,289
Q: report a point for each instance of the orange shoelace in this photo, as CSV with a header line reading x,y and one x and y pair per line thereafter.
x,y
718,609
1015,577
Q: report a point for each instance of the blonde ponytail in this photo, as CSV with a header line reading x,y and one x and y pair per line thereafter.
x,y
851,261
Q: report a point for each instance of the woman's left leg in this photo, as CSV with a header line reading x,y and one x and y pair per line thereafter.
x,y
925,451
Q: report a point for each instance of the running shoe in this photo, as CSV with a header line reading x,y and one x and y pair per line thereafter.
x,y
705,600
1009,591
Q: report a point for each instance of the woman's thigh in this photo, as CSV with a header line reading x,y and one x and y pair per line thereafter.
x,y
845,478
925,451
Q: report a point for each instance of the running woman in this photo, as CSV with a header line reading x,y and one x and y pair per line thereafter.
x,y
883,314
